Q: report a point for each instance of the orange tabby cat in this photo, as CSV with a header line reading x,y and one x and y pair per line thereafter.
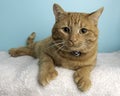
x,y
73,45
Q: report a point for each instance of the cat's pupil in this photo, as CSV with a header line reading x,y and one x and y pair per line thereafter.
x,y
66,29
84,30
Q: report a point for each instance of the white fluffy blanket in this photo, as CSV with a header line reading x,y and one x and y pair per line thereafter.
x,y
18,77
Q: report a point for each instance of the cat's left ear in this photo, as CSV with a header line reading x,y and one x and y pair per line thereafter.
x,y
58,11
95,15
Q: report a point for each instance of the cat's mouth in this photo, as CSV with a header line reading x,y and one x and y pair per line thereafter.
x,y
76,53
73,50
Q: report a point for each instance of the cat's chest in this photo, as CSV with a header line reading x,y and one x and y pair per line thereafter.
x,y
68,60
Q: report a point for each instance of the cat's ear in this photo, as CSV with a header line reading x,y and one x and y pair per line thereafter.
x,y
95,15
58,11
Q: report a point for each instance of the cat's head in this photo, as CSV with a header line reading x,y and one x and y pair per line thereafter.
x,y
74,31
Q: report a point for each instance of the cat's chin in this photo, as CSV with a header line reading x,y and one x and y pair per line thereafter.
x,y
74,49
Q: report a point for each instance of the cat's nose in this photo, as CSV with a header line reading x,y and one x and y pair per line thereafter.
x,y
73,38
70,43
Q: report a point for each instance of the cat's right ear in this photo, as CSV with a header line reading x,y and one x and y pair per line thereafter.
x,y
95,15
58,12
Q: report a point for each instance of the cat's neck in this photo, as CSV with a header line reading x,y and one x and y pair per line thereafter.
x,y
78,55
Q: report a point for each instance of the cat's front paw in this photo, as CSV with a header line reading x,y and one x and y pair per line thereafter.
x,y
13,52
46,76
83,82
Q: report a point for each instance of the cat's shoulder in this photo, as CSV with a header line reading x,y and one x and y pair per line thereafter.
x,y
44,42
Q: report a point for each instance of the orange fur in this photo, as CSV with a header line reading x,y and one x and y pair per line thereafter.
x,y
73,45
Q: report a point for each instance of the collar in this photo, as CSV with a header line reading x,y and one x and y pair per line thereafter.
x,y
76,53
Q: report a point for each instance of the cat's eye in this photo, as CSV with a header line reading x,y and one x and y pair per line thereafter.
x,y
66,29
83,30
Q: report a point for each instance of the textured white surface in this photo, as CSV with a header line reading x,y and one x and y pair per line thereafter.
x,y
18,77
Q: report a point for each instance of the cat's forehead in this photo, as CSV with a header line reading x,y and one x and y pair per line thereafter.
x,y
76,14
76,18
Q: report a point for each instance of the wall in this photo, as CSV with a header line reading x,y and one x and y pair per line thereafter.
x,y
18,18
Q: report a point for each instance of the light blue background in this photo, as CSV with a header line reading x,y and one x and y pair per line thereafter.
x,y
18,18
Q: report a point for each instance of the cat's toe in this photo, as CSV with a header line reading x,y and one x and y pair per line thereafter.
x,y
44,78
13,52
83,82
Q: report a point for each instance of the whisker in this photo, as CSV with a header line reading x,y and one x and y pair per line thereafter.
x,y
60,48
55,44
65,50
58,41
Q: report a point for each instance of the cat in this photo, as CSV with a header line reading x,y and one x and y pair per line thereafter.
x,y
73,45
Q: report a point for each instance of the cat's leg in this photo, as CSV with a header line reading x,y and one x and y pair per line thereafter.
x,y
27,50
82,78
47,70
21,51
